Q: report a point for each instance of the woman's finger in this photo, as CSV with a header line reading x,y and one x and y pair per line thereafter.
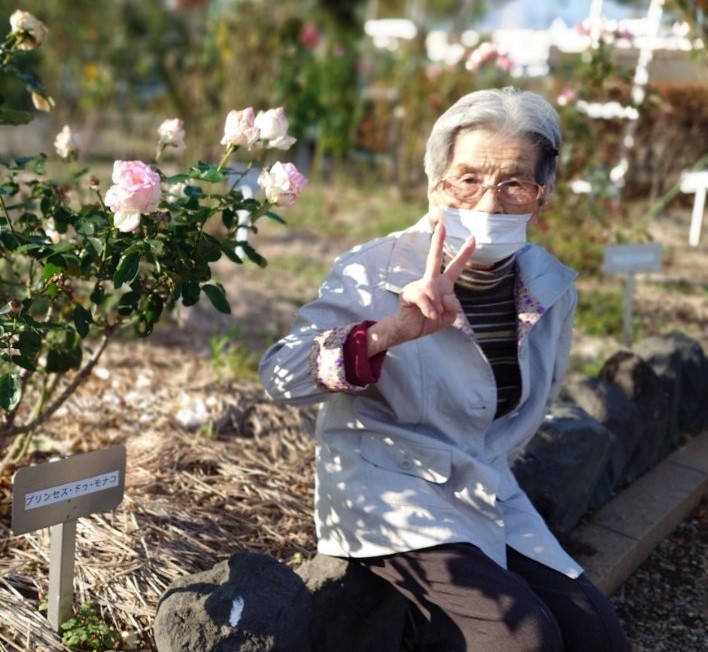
x,y
457,264
425,299
435,254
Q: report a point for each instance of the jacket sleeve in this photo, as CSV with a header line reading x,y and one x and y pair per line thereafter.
x,y
308,363
564,343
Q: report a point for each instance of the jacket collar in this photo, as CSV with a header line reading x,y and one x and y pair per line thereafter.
x,y
408,256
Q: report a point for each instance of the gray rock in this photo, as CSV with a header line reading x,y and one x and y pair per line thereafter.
x,y
638,382
353,610
606,403
248,603
562,464
682,367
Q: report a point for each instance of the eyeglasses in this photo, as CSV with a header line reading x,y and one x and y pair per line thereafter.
x,y
468,188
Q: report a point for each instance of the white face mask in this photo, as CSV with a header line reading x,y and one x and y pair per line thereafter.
x,y
498,235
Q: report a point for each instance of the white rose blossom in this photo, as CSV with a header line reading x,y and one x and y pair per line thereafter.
x,y
273,126
240,129
33,31
67,143
171,133
282,183
126,222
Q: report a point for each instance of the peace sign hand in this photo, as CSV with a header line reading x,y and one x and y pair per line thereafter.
x,y
426,305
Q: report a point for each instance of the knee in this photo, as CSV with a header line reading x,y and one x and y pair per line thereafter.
x,y
539,631
528,627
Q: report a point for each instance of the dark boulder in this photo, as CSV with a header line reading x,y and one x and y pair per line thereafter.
x,y
682,367
247,603
561,466
353,609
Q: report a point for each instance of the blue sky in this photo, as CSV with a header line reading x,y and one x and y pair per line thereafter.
x,y
538,14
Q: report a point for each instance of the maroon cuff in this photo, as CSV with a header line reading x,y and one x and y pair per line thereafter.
x,y
359,368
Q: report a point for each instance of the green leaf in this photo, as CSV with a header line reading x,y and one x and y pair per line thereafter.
x,y
10,392
29,343
85,227
80,173
9,240
22,161
154,307
82,320
252,254
150,316
95,247
127,268
208,249
12,117
176,178
10,188
63,218
190,293
63,359
228,250
24,362
50,269
128,303
217,296
157,247
276,217
67,261
209,172
228,218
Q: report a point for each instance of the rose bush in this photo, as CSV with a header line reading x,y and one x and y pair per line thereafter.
x,y
78,265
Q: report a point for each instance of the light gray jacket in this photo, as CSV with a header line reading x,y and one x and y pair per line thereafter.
x,y
418,459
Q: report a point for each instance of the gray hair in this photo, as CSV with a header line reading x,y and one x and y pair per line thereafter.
x,y
508,111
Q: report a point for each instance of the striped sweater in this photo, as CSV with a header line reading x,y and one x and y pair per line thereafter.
x,y
487,299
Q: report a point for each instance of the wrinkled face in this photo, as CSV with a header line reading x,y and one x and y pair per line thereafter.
x,y
483,157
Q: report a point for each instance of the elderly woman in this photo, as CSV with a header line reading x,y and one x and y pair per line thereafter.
x,y
435,352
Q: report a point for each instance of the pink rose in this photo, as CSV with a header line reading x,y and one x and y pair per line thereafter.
x,y
282,183
273,127
309,36
567,95
484,53
504,62
136,190
239,129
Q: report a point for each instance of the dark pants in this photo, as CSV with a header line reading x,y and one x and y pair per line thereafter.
x,y
470,603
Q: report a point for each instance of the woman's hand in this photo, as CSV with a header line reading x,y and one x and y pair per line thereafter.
x,y
426,305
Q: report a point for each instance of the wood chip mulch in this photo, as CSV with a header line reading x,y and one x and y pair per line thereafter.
x,y
213,469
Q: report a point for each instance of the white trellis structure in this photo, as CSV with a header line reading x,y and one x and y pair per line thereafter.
x,y
695,182
641,77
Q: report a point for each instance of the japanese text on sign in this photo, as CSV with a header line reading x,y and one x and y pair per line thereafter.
x,y
71,490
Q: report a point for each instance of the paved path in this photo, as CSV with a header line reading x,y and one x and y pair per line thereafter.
x,y
624,532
